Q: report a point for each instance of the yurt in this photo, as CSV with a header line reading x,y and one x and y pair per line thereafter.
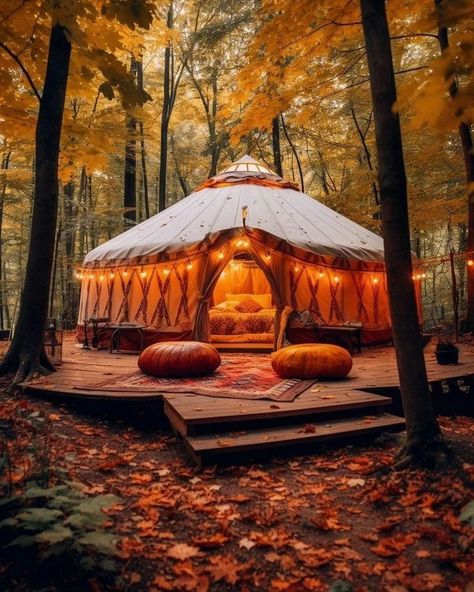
x,y
236,262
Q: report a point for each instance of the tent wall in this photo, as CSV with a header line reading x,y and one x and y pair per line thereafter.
x,y
175,296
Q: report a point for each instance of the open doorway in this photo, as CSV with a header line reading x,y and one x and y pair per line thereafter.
x,y
242,311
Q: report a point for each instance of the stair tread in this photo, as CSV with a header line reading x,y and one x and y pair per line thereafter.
x,y
199,409
290,434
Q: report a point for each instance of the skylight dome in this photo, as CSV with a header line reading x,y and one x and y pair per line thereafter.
x,y
247,164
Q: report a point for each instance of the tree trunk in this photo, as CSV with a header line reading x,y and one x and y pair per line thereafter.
x,y
130,174
293,149
424,444
146,199
3,190
276,146
213,139
368,157
26,355
165,117
465,136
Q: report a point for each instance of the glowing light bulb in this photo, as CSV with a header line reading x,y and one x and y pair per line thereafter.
x,y
125,273
221,255
337,279
268,256
189,265
375,280
297,268
101,278
111,275
239,243
413,277
321,274
245,243
470,262
91,276
143,274
418,276
423,275
166,271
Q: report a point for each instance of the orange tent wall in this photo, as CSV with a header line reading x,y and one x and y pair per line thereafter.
x,y
175,296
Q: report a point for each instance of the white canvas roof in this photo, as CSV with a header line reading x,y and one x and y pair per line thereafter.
x,y
286,213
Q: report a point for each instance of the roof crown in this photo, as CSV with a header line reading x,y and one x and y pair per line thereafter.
x,y
247,164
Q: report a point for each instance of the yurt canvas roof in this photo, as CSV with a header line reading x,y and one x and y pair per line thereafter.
x,y
277,209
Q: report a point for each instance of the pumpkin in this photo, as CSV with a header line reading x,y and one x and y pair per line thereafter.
x,y
310,360
179,359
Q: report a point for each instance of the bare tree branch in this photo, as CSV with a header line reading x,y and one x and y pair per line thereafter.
x,y
22,68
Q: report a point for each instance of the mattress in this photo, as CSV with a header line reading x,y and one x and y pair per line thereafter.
x,y
238,323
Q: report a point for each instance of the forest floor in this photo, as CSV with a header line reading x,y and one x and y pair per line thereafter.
x,y
337,521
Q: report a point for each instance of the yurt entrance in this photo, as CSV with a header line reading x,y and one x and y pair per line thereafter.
x,y
242,312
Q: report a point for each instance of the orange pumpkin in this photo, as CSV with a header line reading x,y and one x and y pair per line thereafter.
x,y
179,359
311,360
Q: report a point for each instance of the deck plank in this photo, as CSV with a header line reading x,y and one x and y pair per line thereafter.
x,y
224,443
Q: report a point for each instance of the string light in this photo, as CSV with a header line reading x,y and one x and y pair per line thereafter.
x,y
189,265
375,280
91,276
101,277
337,279
239,243
111,275
470,262
423,275
166,271
143,274
268,256
321,275
245,243
221,255
125,273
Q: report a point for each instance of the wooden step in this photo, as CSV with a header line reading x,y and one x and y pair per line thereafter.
x,y
212,446
190,413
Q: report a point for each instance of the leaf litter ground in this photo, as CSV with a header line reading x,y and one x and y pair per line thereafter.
x,y
337,521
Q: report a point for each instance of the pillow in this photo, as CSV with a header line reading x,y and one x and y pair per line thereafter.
x,y
265,300
248,305
226,305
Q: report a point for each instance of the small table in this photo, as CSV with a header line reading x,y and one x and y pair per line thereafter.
x,y
348,337
119,330
97,324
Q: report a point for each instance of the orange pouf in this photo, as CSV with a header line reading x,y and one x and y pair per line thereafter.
x,y
310,360
179,359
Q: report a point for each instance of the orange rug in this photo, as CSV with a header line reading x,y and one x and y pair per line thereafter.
x,y
240,376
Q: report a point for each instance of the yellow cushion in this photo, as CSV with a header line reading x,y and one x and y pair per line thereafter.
x,y
248,305
226,305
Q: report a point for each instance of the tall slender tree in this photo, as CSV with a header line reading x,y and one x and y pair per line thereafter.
x,y
467,145
167,108
424,444
26,354
277,160
130,168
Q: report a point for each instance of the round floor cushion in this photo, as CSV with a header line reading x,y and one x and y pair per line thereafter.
x,y
179,359
311,360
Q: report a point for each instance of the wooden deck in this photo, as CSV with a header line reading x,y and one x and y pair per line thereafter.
x,y
213,427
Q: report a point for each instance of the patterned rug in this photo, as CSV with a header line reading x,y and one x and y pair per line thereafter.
x,y
240,376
